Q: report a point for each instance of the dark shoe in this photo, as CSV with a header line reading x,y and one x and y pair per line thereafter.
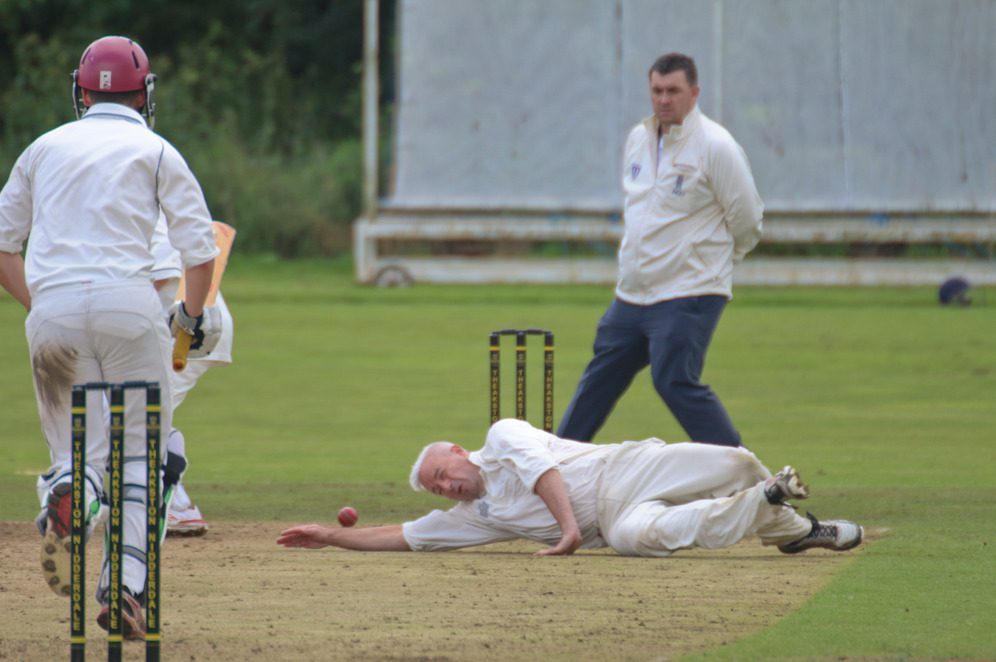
x,y
132,617
786,484
838,535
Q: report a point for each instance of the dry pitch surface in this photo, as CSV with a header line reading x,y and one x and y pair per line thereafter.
x,y
235,595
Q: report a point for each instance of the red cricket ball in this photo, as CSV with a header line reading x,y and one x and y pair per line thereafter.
x,y
348,516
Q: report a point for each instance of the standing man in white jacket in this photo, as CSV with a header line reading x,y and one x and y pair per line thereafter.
x,y
691,212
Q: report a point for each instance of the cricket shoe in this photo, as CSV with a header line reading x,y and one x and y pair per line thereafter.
x,y
56,527
132,616
786,484
838,535
186,522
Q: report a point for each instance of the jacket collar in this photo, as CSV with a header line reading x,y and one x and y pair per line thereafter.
x,y
679,131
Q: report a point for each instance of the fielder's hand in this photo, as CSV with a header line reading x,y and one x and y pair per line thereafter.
x,y
310,536
569,542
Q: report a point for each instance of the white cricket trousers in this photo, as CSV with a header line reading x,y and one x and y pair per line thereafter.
x,y
657,498
182,382
100,332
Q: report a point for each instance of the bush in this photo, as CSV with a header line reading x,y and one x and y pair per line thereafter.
x,y
261,98
293,206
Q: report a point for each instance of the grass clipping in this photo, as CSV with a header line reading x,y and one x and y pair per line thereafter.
x,y
234,594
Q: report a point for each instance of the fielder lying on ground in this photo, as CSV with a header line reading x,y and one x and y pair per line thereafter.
x,y
641,498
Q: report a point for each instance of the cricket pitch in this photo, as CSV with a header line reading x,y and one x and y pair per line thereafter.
x,y
235,595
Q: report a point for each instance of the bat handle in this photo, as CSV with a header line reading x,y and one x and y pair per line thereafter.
x,y
181,347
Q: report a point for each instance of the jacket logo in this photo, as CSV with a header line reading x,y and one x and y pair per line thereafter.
x,y
677,186
483,508
634,170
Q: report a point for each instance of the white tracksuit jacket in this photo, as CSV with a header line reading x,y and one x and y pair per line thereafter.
x,y
689,218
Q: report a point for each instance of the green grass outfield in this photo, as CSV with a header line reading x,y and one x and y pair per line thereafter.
x,y
885,401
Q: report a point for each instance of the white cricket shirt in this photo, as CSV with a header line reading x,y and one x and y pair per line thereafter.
x,y
514,456
86,195
166,259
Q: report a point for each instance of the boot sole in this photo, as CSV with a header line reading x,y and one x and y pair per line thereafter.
x,y
56,563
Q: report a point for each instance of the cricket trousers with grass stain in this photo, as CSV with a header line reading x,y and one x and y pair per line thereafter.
x,y
100,332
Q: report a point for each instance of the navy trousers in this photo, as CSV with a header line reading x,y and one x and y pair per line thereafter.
x,y
672,337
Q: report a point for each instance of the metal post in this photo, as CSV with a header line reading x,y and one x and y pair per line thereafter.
x,y
153,461
371,90
520,375
495,355
521,337
548,381
77,608
115,537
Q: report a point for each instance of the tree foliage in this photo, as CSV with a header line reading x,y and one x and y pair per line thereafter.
x,y
261,96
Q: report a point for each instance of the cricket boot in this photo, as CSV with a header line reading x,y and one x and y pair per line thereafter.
x,y
185,522
55,523
838,535
132,615
784,485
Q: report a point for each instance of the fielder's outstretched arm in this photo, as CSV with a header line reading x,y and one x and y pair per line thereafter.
x,y
366,539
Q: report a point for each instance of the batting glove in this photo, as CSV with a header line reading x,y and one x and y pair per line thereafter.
x,y
205,329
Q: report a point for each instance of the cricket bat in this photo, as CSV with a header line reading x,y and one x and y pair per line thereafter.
x,y
224,236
